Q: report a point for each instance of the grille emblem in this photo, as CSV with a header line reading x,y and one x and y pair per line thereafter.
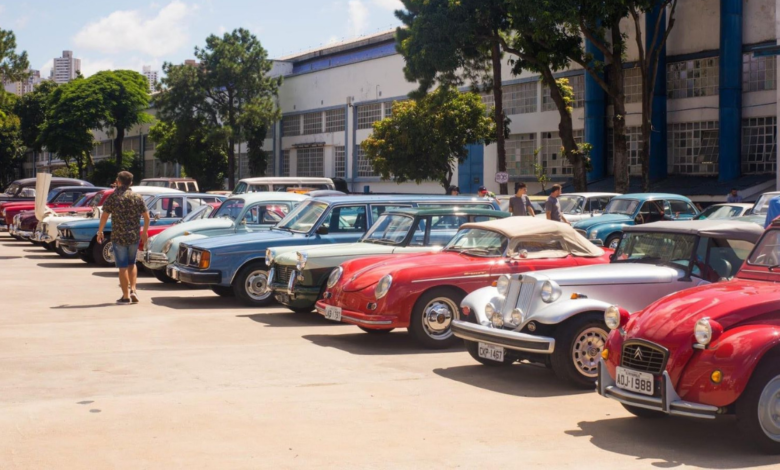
x,y
638,354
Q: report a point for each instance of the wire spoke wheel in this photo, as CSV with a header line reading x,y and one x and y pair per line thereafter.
x,y
586,350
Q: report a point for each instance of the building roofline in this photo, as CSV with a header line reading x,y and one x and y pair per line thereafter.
x,y
347,45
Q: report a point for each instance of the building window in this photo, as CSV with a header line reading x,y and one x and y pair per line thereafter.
x,y
632,85
488,100
243,166
577,83
634,145
309,162
132,144
553,162
520,98
335,120
269,163
291,125
102,148
364,168
368,114
340,161
520,156
269,131
759,145
149,144
758,73
312,123
692,78
285,163
693,147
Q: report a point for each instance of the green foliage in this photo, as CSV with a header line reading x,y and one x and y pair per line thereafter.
x,y
104,172
11,146
68,171
31,109
567,92
425,139
541,174
13,65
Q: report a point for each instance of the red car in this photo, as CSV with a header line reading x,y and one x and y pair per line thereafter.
x,y
705,351
423,292
64,196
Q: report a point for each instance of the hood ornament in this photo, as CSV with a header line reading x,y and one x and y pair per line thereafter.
x,y
638,354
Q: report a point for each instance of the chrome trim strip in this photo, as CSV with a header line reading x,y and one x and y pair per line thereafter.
x,y
321,311
453,278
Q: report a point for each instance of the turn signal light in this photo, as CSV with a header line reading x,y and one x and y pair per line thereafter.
x,y
466,311
205,260
716,376
605,354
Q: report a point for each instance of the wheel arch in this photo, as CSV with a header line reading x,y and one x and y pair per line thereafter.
x,y
244,264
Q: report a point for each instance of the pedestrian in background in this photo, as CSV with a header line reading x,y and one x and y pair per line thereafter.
x,y
734,196
553,207
772,211
125,208
520,204
454,191
483,192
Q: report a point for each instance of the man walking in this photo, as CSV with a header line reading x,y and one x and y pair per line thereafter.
x,y
125,208
734,196
553,207
519,204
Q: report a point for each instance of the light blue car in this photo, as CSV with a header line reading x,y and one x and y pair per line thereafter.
x,y
634,209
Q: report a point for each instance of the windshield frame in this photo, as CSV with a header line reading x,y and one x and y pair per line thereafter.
x,y
383,241
503,254
300,208
774,232
616,200
757,206
686,269
579,203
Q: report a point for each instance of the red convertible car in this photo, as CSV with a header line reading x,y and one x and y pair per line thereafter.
x,y
423,292
705,351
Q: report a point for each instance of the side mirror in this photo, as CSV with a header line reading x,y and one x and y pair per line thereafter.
x,y
156,215
322,230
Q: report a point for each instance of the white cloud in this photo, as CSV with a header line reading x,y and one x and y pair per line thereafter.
x,y
46,68
91,67
21,22
391,5
358,18
129,30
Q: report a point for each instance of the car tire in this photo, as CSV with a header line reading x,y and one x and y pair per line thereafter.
x,y
102,252
86,256
756,407
644,412
432,317
613,239
68,254
578,345
473,348
223,291
372,331
249,284
49,246
163,277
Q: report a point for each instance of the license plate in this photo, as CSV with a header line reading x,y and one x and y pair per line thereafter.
x,y
635,381
491,351
333,313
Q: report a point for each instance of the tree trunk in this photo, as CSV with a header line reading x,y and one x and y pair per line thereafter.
x,y
498,97
231,144
617,91
571,150
647,128
118,141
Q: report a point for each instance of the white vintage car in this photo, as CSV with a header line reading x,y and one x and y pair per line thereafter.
x,y
557,317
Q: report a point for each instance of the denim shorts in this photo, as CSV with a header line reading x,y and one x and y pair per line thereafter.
x,y
124,255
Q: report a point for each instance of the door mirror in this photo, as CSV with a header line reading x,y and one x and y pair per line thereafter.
x,y
156,215
322,230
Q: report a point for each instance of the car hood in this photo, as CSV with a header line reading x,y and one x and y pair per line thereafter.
x,y
322,253
84,224
193,226
759,219
587,224
246,239
613,273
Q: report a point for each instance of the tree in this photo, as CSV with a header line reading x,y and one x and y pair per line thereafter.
x,y
104,172
11,147
31,109
13,66
426,138
68,123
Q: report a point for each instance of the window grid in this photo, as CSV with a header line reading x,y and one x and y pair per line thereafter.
x,y
632,85
520,98
291,125
132,144
270,163
759,145
364,168
577,83
389,108
312,123
368,114
553,162
285,163
693,147
758,73
340,161
520,156
149,144
634,144
335,120
309,162
692,78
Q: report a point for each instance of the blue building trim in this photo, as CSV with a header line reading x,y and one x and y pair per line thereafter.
x,y
568,73
730,70
353,172
595,118
658,149
375,51
693,55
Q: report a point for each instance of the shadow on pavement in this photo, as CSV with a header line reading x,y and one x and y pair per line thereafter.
x,y
52,256
77,264
675,442
286,319
159,286
39,250
9,257
520,380
197,303
107,304
15,244
364,344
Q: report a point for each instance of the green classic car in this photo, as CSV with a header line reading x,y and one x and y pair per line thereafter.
x,y
299,273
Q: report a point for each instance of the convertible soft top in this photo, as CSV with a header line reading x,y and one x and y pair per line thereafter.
x,y
720,228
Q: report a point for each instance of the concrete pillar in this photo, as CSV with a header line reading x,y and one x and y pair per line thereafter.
x,y
730,112
595,115
658,149
777,64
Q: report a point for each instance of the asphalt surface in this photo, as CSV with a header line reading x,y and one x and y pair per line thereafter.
x,y
190,380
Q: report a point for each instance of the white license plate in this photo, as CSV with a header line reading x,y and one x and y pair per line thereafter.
x,y
333,313
635,381
491,351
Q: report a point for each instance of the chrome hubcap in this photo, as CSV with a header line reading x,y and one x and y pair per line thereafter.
x,y
108,252
68,251
586,351
437,316
256,285
769,409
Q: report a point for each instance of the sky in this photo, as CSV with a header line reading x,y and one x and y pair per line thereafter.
x,y
109,34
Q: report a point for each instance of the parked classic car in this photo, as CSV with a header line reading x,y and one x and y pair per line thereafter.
x,y
165,209
579,206
423,292
188,185
758,212
634,209
22,192
235,264
244,213
281,184
556,317
724,211
298,275
705,352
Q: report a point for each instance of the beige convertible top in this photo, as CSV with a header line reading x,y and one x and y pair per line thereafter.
x,y
539,229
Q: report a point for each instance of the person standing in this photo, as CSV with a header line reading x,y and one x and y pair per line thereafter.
x,y
734,196
483,192
553,207
125,208
520,204
454,191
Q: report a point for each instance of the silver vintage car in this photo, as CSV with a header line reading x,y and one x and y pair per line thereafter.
x,y
557,317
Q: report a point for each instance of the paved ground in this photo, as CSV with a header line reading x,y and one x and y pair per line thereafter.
x,y
190,380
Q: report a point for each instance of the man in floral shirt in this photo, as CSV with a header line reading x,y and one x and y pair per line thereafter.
x,y
125,208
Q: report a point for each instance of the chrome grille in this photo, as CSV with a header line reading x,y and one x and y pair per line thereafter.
x,y
644,357
520,295
283,273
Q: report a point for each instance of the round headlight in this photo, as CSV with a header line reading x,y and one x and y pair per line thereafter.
x,y
334,277
517,316
550,292
593,235
497,320
612,317
302,257
383,287
703,331
489,309
503,284
167,246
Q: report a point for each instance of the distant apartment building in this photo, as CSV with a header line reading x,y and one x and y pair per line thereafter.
x,y
65,67
151,77
22,87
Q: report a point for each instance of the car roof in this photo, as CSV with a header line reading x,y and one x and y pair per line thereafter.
x,y
149,190
739,204
167,179
269,196
586,194
55,179
719,228
282,179
651,196
361,199
455,210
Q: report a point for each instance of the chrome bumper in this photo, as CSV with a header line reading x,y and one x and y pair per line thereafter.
x,y
42,237
3,228
669,402
24,234
152,260
508,339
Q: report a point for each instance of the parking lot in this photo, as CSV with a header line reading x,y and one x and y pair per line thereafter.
x,y
187,379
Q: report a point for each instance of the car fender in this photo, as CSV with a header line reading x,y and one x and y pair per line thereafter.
x,y
245,259
606,230
176,242
563,309
477,300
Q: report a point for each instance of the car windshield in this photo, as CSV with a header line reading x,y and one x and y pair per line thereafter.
x,y
762,205
304,217
52,195
767,253
12,189
571,204
200,213
478,242
719,212
622,206
656,248
230,209
85,199
390,229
